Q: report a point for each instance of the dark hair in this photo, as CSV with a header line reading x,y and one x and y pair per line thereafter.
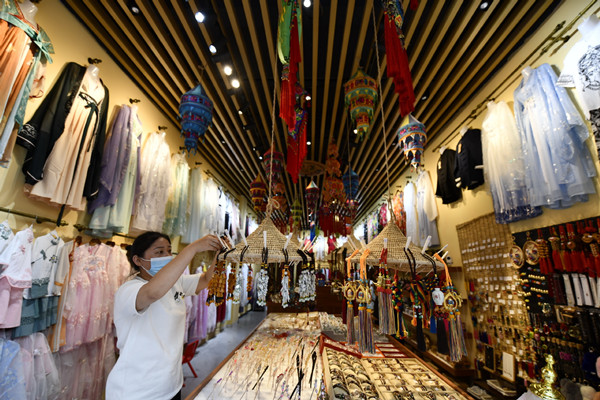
x,y
141,244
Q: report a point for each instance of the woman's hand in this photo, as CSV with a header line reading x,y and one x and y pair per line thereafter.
x,y
207,243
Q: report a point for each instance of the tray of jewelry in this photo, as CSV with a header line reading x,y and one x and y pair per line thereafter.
x,y
346,377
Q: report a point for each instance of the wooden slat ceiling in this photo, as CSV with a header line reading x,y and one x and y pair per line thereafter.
x,y
454,47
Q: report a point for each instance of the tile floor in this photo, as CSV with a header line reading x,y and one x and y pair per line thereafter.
x,y
210,354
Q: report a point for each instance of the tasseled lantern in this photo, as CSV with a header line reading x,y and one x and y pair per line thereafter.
x,y
312,195
412,137
350,180
361,97
333,190
297,214
258,190
273,165
195,110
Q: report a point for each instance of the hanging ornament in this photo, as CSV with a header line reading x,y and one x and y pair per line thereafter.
x,y
365,318
351,182
258,189
412,137
273,165
285,286
195,111
361,97
216,286
231,283
296,140
312,195
288,48
398,67
297,214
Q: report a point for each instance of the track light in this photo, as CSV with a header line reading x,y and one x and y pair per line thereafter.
x,y
485,4
307,3
235,83
308,143
227,70
199,17
308,98
132,5
213,49
240,111
356,131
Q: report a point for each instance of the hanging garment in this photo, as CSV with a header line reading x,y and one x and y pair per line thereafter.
x,y
446,182
558,165
581,72
115,216
155,171
196,191
24,50
175,214
12,384
6,235
426,210
503,165
398,210
63,161
15,277
410,207
41,373
468,170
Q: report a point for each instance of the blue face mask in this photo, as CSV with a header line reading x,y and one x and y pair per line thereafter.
x,y
156,264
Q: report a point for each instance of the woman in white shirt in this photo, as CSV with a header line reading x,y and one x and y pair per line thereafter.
x,y
150,318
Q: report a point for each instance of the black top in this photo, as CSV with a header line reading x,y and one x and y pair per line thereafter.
x,y
469,160
446,185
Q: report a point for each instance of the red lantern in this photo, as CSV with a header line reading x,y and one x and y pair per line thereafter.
x,y
312,195
258,190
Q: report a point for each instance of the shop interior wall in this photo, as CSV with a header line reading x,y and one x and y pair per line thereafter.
x,y
74,43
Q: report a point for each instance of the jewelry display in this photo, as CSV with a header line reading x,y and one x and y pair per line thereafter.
x,y
262,281
231,282
217,285
384,295
363,297
349,291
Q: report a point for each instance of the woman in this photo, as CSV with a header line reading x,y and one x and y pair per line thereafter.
x,y
150,318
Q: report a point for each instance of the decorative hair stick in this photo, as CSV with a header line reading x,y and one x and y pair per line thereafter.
x,y
260,377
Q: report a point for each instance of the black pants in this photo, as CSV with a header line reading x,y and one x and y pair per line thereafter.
x,y
177,396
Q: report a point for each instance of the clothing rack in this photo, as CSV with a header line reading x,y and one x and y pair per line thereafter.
x,y
81,227
162,128
37,218
553,37
133,101
222,186
92,60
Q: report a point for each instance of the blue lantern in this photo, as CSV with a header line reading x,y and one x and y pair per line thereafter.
x,y
195,110
350,180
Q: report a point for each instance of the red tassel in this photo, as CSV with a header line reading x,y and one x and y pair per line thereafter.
x,y
414,4
398,68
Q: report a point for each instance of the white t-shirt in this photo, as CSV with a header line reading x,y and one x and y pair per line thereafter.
x,y
150,342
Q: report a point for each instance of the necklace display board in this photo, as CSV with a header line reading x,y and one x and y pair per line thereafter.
x,y
498,308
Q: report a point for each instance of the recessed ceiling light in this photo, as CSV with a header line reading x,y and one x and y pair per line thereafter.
x,y
222,141
213,49
485,4
235,83
424,97
356,131
307,3
199,17
133,7
240,111
260,157
254,148
308,143
228,70
308,98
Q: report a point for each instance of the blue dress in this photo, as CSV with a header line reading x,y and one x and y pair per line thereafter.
x,y
558,165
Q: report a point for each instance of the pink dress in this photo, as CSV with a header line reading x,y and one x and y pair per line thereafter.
x,y
15,277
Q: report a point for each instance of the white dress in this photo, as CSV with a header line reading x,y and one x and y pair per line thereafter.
x,y
176,212
155,183
410,206
426,210
196,192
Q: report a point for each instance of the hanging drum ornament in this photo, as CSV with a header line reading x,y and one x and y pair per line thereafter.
x,y
273,165
412,137
312,195
195,111
350,180
361,97
297,213
258,189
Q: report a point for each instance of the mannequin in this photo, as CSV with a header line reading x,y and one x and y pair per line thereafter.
x,y
590,30
442,149
93,71
29,11
464,130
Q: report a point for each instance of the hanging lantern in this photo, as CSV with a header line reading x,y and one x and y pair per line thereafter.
x,y
282,202
195,110
296,213
278,188
273,165
312,195
333,190
412,137
350,180
361,97
258,189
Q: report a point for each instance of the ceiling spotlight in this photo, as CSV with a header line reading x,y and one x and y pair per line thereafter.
x,y
235,83
425,97
199,17
260,157
254,148
240,111
307,3
213,49
227,69
308,143
485,4
356,131
133,7
222,141
308,98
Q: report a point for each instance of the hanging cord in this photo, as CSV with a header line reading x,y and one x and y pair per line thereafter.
x,y
387,169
